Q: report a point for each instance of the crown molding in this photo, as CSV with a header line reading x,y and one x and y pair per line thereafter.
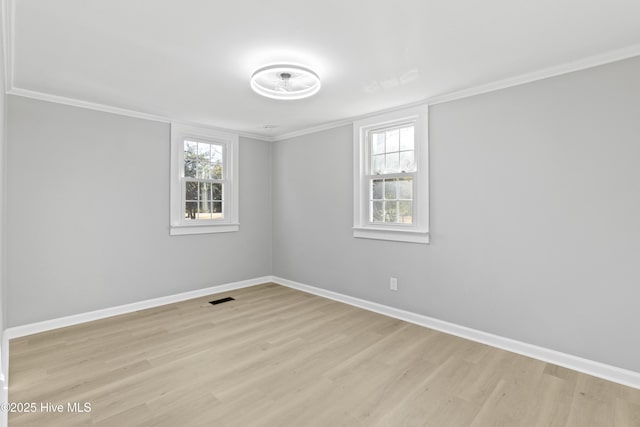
x,y
8,15
569,67
226,130
85,104
8,37
348,121
313,129
122,111
545,73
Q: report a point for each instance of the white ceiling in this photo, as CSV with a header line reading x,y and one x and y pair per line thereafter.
x,y
190,60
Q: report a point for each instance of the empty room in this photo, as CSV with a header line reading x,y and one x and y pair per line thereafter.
x,y
338,213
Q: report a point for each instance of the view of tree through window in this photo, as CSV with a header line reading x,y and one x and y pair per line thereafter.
x,y
392,168
204,185
392,200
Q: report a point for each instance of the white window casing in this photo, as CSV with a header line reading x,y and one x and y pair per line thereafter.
x,y
227,220
416,228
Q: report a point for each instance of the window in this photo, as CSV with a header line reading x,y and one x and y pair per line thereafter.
x,y
391,194
204,181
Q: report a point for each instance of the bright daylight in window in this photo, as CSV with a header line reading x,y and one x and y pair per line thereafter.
x,y
390,180
392,175
203,172
204,181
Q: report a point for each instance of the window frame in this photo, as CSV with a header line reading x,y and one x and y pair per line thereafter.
x,y
230,200
363,227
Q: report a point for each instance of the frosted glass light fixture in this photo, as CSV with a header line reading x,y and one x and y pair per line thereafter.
x,y
285,81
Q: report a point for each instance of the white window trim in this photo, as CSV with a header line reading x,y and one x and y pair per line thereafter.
x,y
179,226
418,232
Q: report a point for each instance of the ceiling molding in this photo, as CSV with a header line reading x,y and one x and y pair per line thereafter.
x,y
8,10
313,129
122,111
8,39
227,130
570,67
344,122
85,104
545,73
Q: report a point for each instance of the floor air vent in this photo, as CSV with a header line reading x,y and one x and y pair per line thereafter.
x,y
221,300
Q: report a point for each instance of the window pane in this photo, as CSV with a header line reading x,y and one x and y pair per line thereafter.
x,y
406,138
209,171
377,211
378,164
216,171
205,193
405,188
190,147
204,206
204,151
216,208
393,140
216,162
377,144
217,191
392,164
216,154
406,161
205,171
203,212
190,210
204,201
191,190
390,211
405,215
376,188
189,167
190,157
201,170
390,189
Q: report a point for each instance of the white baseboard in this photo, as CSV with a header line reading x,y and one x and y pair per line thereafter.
x,y
590,367
34,328
61,322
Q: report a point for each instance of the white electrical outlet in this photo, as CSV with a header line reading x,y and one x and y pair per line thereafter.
x,y
393,284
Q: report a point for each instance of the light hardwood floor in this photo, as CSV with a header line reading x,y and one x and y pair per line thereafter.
x,y
280,357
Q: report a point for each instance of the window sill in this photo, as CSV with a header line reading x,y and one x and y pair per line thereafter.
x,y
409,236
182,230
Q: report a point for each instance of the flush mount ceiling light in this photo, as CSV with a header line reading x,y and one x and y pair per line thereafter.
x,y
285,81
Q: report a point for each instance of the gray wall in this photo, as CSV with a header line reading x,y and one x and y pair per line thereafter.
x,y
88,215
535,216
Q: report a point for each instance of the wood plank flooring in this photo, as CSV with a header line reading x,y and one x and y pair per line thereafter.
x,y
280,357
